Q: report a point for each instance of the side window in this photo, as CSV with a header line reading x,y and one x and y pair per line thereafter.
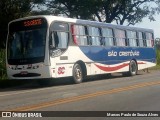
x,y
120,37
140,37
60,34
79,35
144,40
132,38
94,36
149,39
61,39
107,34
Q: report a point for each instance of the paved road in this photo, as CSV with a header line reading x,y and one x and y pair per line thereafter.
x,y
117,93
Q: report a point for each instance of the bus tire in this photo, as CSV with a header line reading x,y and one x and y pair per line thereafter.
x,y
78,74
133,68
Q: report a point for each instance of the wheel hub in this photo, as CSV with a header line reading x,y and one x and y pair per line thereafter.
x,y
78,73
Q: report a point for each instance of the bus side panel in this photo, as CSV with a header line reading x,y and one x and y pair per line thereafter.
x,y
75,54
62,66
101,60
117,59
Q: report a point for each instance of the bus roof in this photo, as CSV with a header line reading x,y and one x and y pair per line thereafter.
x,y
51,18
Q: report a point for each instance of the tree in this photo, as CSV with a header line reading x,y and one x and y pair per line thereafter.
x,y
13,9
83,9
121,11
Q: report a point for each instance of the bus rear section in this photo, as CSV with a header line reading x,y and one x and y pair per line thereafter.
x,y
26,46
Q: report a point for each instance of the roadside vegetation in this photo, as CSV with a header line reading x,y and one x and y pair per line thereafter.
x,y
3,74
158,56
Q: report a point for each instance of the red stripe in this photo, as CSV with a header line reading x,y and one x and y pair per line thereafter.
x,y
141,63
108,69
112,68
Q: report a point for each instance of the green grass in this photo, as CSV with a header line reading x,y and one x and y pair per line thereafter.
x,y
158,56
157,67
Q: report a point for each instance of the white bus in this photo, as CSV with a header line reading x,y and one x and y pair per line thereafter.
x,y
41,47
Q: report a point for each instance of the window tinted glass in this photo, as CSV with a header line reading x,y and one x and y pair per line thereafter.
x,y
132,38
108,36
140,37
94,36
61,39
93,31
144,40
27,44
120,37
79,35
78,30
80,40
106,32
95,41
60,34
149,39
58,26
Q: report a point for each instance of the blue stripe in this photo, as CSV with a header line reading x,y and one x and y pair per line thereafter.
x,y
100,54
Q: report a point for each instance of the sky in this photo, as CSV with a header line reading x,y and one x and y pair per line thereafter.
x,y
155,25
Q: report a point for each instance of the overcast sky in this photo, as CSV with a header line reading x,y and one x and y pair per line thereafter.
x,y
155,25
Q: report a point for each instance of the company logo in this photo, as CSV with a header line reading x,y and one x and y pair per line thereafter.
x,y
55,53
6,114
24,72
61,70
123,53
21,114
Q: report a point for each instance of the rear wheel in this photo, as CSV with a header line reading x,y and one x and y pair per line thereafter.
x,y
133,68
78,75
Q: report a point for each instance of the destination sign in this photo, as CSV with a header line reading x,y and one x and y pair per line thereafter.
x,y
28,24
32,22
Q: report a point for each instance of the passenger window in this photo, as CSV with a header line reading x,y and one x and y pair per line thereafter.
x,y
149,40
94,35
120,37
107,34
61,39
140,37
60,35
79,35
132,38
144,40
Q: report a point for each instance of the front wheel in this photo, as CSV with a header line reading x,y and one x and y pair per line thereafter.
x,y
133,68
77,73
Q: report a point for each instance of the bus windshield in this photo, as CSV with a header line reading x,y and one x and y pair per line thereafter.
x,y
26,46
